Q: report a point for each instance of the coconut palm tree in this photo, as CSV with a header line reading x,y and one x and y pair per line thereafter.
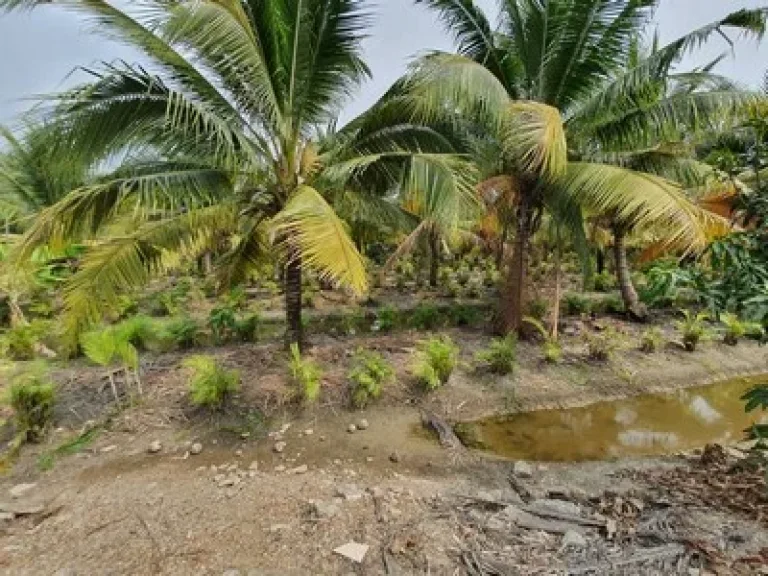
x,y
223,131
551,77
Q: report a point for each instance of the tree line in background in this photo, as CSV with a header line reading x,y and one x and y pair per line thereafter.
x,y
561,126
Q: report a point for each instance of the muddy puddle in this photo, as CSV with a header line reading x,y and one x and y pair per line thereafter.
x,y
642,426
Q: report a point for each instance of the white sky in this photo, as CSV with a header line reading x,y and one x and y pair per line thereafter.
x,y
39,49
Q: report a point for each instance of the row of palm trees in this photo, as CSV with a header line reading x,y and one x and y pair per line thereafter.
x,y
226,135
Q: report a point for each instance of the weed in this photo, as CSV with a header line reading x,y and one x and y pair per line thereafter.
x,y
73,446
693,329
425,317
604,282
222,322
464,315
369,373
553,352
21,342
577,304
183,331
386,318
247,328
140,331
32,397
651,340
306,375
538,308
210,383
735,329
601,346
436,359
501,355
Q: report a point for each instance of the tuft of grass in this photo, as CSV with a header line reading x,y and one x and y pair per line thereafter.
x,y
306,375
553,352
210,384
601,346
369,374
425,317
576,304
435,361
47,460
32,397
735,328
501,354
651,340
693,329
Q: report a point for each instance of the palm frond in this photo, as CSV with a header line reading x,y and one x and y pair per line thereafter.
x,y
535,138
308,229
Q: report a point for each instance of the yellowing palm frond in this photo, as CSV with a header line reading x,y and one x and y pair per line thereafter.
x,y
535,137
309,228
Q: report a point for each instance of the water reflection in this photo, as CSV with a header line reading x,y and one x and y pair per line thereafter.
x,y
646,425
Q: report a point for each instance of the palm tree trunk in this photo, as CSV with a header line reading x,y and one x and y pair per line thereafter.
x,y
556,303
502,245
513,288
632,303
434,258
293,327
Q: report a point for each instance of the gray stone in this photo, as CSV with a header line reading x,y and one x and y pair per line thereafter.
x,y
323,510
299,469
7,516
280,468
573,539
275,528
363,424
522,469
556,506
308,432
353,551
155,447
349,492
196,449
351,428
108,449
232,480
279,447
21,489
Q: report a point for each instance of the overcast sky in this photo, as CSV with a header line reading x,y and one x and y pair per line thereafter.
x,y
38,50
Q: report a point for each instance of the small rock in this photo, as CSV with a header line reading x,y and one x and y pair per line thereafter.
x,y
337,462
572,539
353,551
252,474
155,447
239,453
196,449
369,459
394,457
275,528
214,468
21,489
557,506
322,438
232,480
362,424
279,447
231,572
107,449
308,432
254,466
351,428
299,469
280,468
7,516
324,510
219,478
522,469
349,492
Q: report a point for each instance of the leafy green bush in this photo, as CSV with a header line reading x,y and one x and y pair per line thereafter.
x,y
600,346
435,361
693,329
183,331
306,375
222,322
735,328
552,350
501,354
464,315
386,318
492,277
369,374
425,317
20,342
577,304
537,308
108,345
651,340
755,398
210,384
604,282
247,328
32,397
141,331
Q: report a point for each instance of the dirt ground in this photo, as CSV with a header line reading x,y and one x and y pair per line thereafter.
x,y
241,508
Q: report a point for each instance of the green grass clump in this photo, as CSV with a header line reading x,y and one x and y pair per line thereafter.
x,y
501,354
306,374
601,346
553,352
21,342
651,340
210,383
74,446
425,317
693,329
32,398
435,361
576,304
369,374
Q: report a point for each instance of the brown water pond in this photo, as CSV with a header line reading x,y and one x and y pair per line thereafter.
x,y
642,426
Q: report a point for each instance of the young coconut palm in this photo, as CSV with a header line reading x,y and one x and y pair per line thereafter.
x,y
549,77
227,112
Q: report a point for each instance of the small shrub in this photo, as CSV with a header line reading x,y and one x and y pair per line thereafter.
x,y
651,340
577,304
247,328
222,322
735,329
464,315
492,277
21,342
425,317
436,359
453,289
604,282
306,375
501,355
141,331
600,346
538,308
210,383
692,329
475,287
612,305
552,350
369,374
386,319
183,331
463,274
32,397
